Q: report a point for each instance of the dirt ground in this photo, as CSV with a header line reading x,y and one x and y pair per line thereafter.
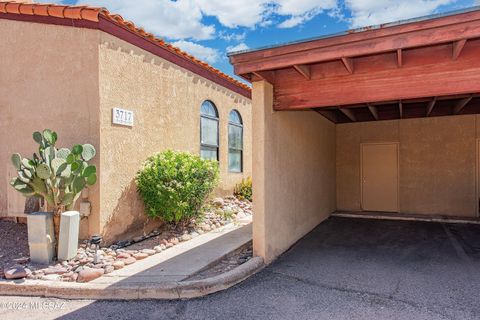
x,y
13,242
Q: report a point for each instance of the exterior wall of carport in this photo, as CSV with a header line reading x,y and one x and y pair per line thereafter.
x,y
437,163
293,173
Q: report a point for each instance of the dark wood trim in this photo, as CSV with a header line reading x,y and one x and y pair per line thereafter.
x,y
461,104
349,113
431,105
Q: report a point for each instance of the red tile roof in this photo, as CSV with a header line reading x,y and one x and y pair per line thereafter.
x,y
95,14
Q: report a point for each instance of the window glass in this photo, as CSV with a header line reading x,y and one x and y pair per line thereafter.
x,y
208,131
235,161
235,142
235,137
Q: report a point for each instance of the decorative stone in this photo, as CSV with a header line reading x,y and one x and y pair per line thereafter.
x,y
169,245
158,249
51,277
205,227
118,264
109,269
164,242
54,270
15,273
123,255
140,255
218,202
194,234
87,275
150,252
129,260
174,240
186,237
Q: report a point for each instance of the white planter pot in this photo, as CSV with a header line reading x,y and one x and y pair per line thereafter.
x,y
41,237
69,229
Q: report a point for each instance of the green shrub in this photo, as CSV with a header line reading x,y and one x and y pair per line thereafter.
x,y
174,185
243,190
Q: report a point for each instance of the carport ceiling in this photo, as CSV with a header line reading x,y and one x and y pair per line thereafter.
x,y
417,68
404,109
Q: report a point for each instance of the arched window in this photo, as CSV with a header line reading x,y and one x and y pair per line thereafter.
x,y
208,131
235,142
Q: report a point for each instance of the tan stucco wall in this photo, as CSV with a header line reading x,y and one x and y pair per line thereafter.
x,y
166,102
437,163
48,79
69,79
293,173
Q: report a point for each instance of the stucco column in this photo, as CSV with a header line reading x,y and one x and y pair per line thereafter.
x,y
262,103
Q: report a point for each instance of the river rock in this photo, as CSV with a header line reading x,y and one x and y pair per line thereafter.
x,y
87,275
118,264
15,273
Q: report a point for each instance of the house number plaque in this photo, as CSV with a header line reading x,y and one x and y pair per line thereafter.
x,y
122,117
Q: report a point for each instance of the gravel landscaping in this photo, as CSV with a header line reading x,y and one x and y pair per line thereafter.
x,y
89,264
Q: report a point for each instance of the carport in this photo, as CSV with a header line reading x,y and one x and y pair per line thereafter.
x,y
380,119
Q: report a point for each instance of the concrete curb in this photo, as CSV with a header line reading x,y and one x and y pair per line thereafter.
x,y
132,291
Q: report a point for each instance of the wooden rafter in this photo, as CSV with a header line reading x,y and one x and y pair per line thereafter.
x,y
329,114
349,113
430,106
304,70
457,48
461,104
399,58
373,111
400,108
348,63
268,76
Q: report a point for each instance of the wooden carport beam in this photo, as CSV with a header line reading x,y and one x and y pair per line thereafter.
x,y
349,113
373,111
430,106
461,104
399,58
457,48
268,76
348,63
304,70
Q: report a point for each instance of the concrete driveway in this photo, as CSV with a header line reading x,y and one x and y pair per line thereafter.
x,y
344,269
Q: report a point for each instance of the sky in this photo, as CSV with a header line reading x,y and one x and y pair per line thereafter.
x,y
208,29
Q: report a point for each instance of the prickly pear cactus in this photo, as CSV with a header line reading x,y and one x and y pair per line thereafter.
x,y
56,175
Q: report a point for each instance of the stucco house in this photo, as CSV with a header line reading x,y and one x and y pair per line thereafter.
x,y
381,121
95,78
